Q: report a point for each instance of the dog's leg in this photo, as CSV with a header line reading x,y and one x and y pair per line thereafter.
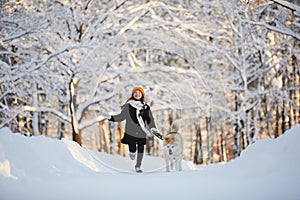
x,y
180,164
180,161
172,163
177,164
167,165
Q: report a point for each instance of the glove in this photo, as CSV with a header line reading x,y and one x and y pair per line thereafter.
x,y
155,132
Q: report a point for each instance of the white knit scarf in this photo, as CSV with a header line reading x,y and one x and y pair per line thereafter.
x,y
139,106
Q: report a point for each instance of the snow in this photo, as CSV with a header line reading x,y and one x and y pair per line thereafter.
x,y
44,168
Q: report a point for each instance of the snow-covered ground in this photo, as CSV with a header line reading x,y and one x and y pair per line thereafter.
x,y
44,168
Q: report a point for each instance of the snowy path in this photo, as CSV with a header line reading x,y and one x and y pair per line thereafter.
x,y
44,168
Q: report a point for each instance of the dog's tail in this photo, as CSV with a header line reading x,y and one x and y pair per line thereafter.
x,y
175,126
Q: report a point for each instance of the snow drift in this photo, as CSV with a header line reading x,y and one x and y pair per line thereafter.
x,y
45,168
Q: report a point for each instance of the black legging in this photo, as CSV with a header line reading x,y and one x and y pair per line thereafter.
x,y
132,148
140,147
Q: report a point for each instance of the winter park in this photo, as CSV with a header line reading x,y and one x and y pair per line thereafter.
x,y
149,99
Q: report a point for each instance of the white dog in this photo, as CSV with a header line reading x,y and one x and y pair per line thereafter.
x,y
173,147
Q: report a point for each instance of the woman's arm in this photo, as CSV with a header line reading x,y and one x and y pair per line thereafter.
x,y
121,116
152,122
152,126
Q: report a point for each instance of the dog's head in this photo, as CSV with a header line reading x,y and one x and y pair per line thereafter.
x,y
170,144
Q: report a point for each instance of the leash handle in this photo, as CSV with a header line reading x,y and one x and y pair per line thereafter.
x,y
155,132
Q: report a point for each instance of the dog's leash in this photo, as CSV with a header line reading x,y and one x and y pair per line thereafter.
x,y
159,169
170,133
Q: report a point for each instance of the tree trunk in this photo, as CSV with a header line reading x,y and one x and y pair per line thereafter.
x,y
283,113
223,145
276,134
198,155
295,92
99,138
20,119
60,125
73,88
209,146
112,138
196,151
120,145
248,139
297,95
103,139
191,142
237,131
35,117
200,146
243,137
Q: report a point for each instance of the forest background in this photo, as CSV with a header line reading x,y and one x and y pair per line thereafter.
x,y
229,69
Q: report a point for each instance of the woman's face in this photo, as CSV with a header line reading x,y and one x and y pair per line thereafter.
x,y
137,95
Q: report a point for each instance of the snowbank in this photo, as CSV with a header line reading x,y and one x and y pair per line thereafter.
x,y
45,168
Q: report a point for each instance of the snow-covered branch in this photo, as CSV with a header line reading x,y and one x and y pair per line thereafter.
x,y
88,123
289,5
18,35
84,106
281,30
50,110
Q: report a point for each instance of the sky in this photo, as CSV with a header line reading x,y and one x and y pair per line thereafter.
x,y
45,168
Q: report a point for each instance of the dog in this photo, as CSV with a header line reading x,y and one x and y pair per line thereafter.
x,y
173,148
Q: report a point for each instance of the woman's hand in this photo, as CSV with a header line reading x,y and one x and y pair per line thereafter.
x,y
155,132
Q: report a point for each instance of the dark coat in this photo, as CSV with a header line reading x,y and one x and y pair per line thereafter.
x,y
134,134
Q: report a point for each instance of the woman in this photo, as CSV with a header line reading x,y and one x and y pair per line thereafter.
x,y
137,115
